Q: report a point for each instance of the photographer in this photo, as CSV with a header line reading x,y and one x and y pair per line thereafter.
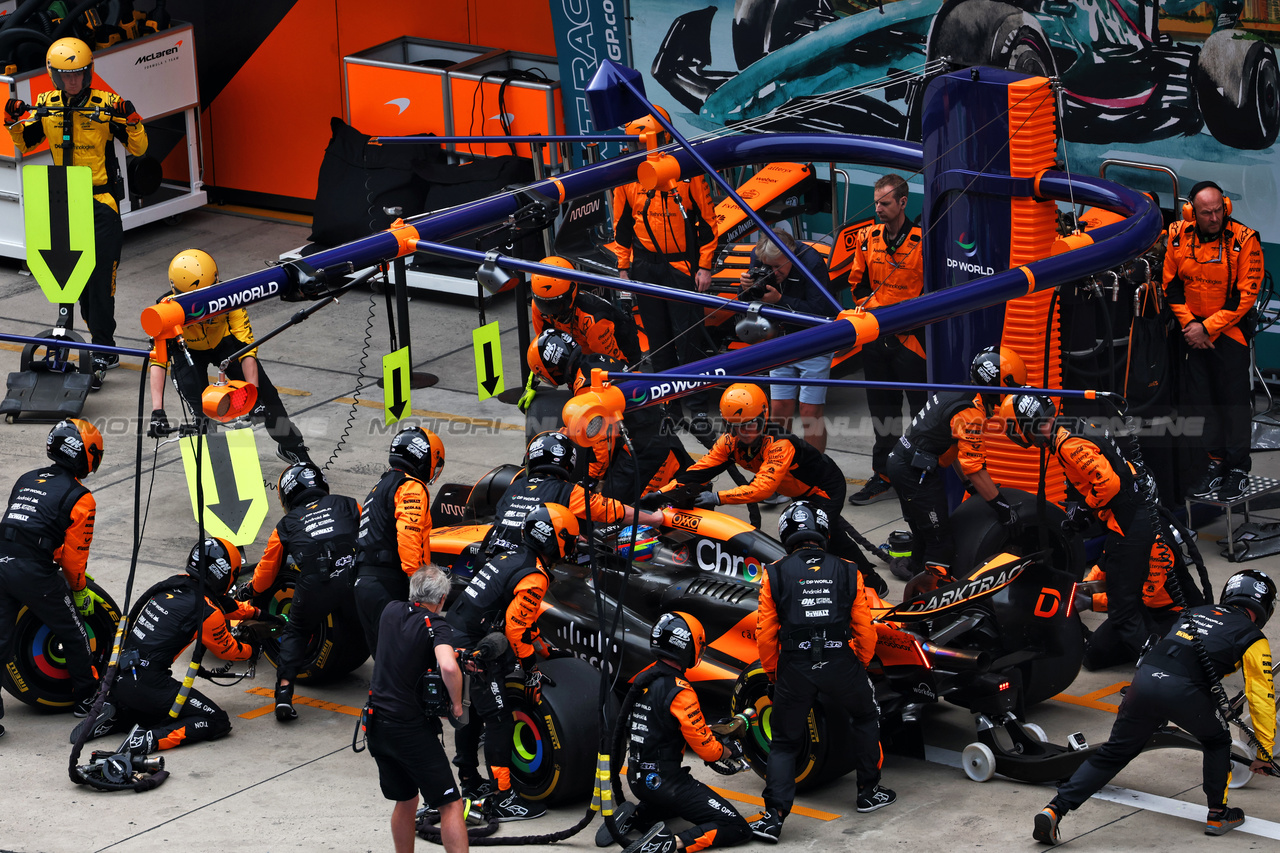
x,y
403,739
772,279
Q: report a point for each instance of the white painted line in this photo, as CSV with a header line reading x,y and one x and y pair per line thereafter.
x,y
1136,799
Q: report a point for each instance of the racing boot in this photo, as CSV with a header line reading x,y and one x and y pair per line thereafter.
x,y
875,797
104,725
768,826
511,806
285,711
1046,828
1222,820
658,839
623,818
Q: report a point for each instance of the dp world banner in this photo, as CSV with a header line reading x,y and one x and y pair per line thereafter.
x,y
587,32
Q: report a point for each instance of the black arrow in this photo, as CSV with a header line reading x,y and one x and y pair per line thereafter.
x,y
397,405
60,258
490,381
229,509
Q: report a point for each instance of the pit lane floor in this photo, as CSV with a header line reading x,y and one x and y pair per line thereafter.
x,y
270,787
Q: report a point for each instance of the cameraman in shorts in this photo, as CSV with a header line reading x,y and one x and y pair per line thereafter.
x,y
403,739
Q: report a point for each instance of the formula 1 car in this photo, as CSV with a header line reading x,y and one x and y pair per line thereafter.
x,y
1001,631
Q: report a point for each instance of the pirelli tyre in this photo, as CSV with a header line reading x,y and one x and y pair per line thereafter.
x,y
979,535
553,753
829,746
37,674
335,649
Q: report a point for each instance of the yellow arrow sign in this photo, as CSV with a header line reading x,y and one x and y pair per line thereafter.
x,y
235,499
58,207
395,385
488,350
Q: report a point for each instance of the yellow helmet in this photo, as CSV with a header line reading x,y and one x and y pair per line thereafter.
x,y
191,269
66,57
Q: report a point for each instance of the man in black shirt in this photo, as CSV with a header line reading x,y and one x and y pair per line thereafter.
x,y
402,739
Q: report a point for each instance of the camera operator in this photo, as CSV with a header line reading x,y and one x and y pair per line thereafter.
x,y
403,739
772,279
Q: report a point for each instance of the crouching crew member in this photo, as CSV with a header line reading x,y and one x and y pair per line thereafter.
x,y
1171,684
593,324
402,739
782,464
666,719
168,618
318,535
814,635
658,454
395,526
505,595
1105,483
47,527
549,462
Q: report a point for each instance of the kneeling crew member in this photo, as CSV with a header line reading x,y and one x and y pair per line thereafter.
x,y
782,463
402,739
665,720
318,535
949,431
1171,684
594,324
207,344
48,527
395,526
167,619
505,595
550,461
814,634
1114,490
556,359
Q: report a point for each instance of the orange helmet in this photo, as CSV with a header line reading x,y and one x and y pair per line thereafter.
x,y
998,366
741,403
648,124
553,296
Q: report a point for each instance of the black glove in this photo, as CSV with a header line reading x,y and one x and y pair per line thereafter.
x,y
707,500
244,592
159,424
13,110
1082,602
733,749
1077,518
1006,514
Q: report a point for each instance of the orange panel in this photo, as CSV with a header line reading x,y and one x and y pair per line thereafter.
x,y
475,113
271,122
395,101
363,24
513,26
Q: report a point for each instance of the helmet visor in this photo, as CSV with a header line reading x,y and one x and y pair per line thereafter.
x,y
74,81
554,306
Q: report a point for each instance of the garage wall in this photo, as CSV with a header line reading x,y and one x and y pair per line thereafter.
x,y
270,76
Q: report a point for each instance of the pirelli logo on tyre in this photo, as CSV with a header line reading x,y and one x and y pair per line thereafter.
x,y
18,682
551,731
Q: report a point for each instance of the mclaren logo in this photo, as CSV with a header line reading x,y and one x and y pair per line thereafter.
x,y
401,104
159,54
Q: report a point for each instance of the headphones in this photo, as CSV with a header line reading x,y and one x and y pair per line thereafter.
x,y
1189,212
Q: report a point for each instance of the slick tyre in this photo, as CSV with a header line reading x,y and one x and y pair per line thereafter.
x,y
553,752
829,745
336,648
984,32
979,536
37,674
1237,85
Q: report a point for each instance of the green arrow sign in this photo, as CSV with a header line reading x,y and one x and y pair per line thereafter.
x,y
395,384
58,206
488,350
235,499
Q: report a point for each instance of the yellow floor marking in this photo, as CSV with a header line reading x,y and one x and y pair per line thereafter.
x,y
298,700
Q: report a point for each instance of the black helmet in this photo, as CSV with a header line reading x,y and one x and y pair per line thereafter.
x,y
551,532
221,562
297,480
76,445
550,355
551,453
1254,591
678,637
418,450
1023,415
802,522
